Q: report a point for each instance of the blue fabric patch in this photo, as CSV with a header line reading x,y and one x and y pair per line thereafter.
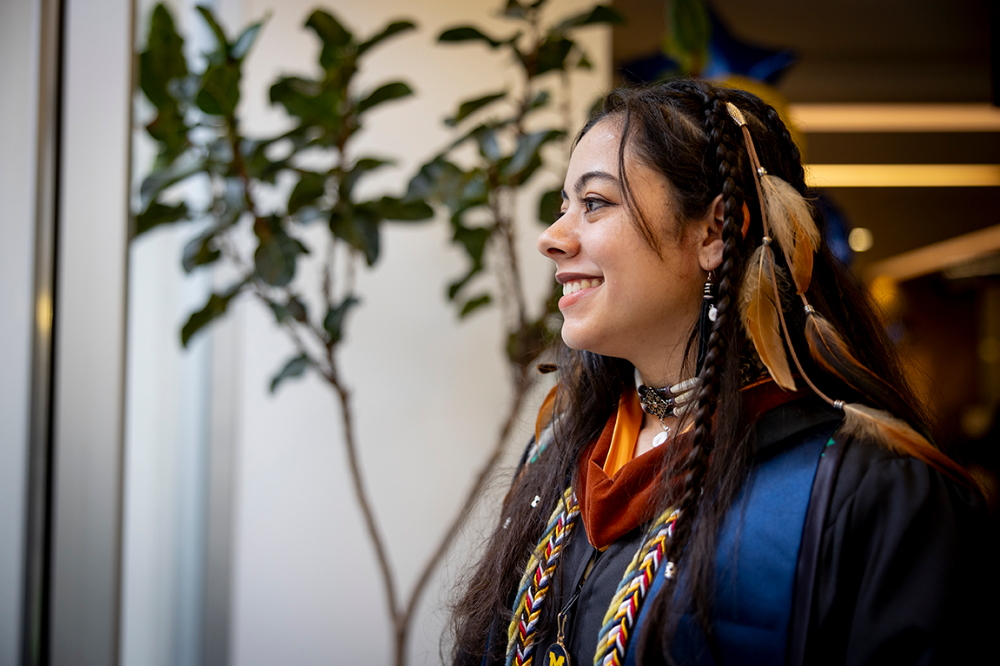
x,y
757,556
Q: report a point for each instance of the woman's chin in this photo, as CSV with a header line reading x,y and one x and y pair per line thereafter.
x,y
581,340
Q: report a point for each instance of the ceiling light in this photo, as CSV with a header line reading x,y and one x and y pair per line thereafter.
x,y
903,175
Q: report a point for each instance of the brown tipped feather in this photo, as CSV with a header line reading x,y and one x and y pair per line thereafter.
x,y
793,227
831,353
865,422
759,314
828,348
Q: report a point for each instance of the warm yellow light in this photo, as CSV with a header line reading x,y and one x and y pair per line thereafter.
x,y
885,292
43,313
903,175
989,350
938,256
860,239
852,118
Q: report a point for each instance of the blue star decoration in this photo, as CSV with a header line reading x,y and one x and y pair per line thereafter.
x,y
727,56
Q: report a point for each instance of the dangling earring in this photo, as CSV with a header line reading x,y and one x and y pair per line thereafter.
x,y
708,315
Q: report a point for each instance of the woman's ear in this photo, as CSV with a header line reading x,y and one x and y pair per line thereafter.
x,y
711,245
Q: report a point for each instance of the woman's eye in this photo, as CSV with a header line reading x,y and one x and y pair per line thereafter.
x,y
593,203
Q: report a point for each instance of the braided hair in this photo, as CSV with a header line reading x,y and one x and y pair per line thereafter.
x,y
682,131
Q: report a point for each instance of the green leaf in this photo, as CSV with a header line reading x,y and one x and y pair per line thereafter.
x,y
486,137
163,59
358,227
527,149
386,93
231,204
334,320
524,346
541,99
297,308
600,14
474,304
157,214
170,131
157,181
294,368
442,181
361,167
220,89
258,165
310,101
435,180
469,107
473,240
337,40
328,28
549,206
467,33
276,255
311,186
687,39
390,30
391,208
220,36
552,54
212,310
200,251
246,41
293,309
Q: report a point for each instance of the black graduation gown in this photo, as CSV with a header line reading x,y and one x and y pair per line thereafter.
x,y
904,572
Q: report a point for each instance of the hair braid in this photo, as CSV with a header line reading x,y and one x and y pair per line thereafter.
x,y
696,463
777,126
719,360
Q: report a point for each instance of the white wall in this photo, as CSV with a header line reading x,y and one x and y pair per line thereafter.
x,y
430,391
18,92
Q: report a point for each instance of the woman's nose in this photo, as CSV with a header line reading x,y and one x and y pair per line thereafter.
x,y
558,240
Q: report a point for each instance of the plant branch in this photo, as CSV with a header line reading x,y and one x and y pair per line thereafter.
x,y
509,248
357,481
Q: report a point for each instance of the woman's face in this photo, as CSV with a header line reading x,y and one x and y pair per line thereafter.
x,y
621,298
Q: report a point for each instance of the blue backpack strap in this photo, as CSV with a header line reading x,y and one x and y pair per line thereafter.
x,y
756,563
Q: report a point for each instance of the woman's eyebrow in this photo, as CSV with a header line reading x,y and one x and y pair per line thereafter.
x,y
591,175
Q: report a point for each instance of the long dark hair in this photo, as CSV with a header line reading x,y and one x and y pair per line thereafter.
x,y
683,131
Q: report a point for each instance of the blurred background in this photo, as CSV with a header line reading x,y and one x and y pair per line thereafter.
x,y
159,505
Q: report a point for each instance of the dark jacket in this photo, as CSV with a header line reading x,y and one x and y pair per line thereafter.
x,y
897,563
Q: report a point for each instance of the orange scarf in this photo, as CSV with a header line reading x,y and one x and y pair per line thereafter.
x,y
616,491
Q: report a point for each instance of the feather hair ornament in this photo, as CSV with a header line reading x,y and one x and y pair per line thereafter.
x,y
760,316
861,421
794,229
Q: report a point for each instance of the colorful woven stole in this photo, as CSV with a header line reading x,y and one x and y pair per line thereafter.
x,y
613,639
623,612
535,584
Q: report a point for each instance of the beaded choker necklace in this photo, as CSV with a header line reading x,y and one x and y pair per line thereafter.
x,y
665,402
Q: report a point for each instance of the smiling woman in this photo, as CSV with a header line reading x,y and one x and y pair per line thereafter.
x,y
731,468
617,284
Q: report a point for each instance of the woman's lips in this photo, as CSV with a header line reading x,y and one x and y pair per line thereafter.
x,y
574,290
